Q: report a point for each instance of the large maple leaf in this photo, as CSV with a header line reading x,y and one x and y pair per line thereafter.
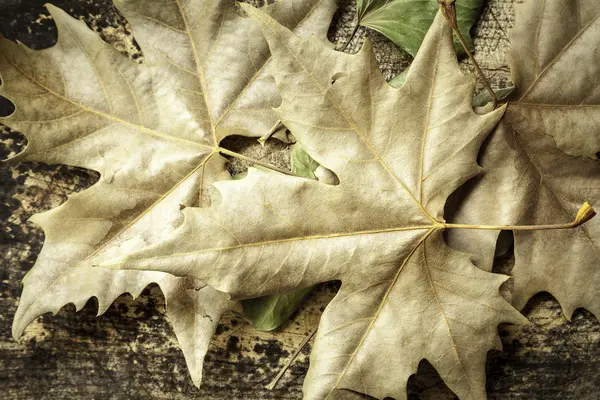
x,y
152,131
522,161
398,154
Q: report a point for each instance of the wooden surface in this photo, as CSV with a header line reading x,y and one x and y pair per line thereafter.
x,y
131,352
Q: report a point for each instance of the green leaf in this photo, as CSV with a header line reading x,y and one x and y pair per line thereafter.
x,y
399,79
484,97
239,176
405,22
270,312
302,163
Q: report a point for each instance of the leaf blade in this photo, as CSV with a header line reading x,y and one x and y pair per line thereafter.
x,y
322,232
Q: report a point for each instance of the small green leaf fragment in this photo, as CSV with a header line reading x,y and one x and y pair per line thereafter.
x,y
302,164
399,80
239,176
484,97
270,312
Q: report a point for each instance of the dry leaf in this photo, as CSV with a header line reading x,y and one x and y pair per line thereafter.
x,y
556,72
152,131
527,179
398,154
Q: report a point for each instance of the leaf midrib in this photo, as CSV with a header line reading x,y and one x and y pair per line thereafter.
x,y
247,86
554,60
354,127
295,239
125,228
379,309
551,189
102,114
199,70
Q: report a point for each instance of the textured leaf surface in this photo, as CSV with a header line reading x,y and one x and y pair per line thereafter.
x,y
269,312
152,132
398,154
217,60
406,22
556,72
543,184
547,186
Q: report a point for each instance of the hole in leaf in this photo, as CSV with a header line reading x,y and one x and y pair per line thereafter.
x,y
327,176
7,107
274,152
336,76
504,244
11,142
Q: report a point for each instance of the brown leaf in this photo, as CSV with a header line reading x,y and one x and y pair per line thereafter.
x,y
545,185
555,65
527,179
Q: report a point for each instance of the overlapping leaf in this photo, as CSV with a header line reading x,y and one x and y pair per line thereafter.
x,y
398,154
152,132
528,180
556,72
406,22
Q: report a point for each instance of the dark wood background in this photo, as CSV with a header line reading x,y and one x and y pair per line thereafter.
x,y
131,352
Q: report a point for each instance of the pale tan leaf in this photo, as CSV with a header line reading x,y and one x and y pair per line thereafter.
x,y
555,44
398,154
194,310
149,133
528,179
86,125
219,61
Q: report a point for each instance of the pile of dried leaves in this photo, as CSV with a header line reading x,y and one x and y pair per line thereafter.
x,y
364,204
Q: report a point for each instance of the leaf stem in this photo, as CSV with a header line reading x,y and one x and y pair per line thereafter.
x,y
255,161
585,213
449,10
271,131
291,360
351,36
